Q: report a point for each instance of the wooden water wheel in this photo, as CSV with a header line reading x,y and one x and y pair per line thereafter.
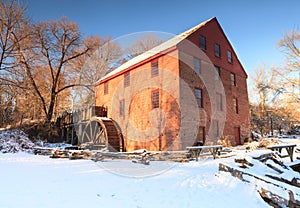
x,y
100,132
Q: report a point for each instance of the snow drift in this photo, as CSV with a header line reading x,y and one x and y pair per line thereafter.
x,y
12,141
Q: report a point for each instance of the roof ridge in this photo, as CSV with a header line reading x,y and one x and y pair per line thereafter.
x,y
188,32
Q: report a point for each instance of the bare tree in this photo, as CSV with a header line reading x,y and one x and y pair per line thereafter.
x,y
100,60
274,109
44,56
12,16
143,44
264,89
12,20
290,74
263,85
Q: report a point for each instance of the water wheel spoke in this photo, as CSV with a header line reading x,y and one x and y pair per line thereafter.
x,y
100,133
99,136
91,131
94,126
94,133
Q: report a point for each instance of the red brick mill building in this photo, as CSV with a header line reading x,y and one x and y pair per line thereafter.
x,y
189,90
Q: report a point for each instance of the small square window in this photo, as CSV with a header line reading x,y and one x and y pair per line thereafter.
x,y
126,79
154,68
105,88
197,65
203,43
155,99
217,50
199,98
229,56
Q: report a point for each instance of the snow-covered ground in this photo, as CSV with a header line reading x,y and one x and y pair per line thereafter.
x,y
28,180
37,181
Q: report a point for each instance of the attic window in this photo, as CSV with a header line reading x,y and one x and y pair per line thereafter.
x,y
105,88
154,68
229,56
203,43
126,79
217,50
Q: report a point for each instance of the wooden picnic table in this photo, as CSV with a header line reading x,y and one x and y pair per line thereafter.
x,y
196,150
289,149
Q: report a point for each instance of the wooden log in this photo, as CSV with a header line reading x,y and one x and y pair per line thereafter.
x,y
244,163
101,156
270,197
293,182
42,151
142,159
75,155
60,154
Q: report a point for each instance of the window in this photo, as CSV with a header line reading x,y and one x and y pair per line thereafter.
x,y
217,50
122,107
232,78
197,63
203,43
154,68
126,79
155,99
105,88
217,73
198,95
216,130
219,102
235,105
200,140
229,56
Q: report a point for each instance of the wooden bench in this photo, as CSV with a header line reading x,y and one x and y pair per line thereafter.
x,y
196,150
289,149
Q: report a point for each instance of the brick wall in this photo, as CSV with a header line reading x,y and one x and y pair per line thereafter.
x,y
173,125
214,34
143,126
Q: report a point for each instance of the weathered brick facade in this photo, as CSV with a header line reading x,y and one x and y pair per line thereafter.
x,y
157,111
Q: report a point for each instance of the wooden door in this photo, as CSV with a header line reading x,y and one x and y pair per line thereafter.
x,y
200,140
237,135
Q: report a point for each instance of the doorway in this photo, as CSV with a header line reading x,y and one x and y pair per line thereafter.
x,y
237,135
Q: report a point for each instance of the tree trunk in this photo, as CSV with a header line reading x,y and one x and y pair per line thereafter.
x,y
51,107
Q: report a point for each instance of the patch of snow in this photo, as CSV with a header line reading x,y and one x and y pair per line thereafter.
x,y
37,181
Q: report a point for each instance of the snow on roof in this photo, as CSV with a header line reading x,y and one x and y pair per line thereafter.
x,y
160,48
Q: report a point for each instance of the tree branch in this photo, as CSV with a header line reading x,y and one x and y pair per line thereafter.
x,y
75,85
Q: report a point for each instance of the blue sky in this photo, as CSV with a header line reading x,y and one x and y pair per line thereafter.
x,y
253,27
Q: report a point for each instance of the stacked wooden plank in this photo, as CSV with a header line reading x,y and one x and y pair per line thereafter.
x,y
71,154
276,181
